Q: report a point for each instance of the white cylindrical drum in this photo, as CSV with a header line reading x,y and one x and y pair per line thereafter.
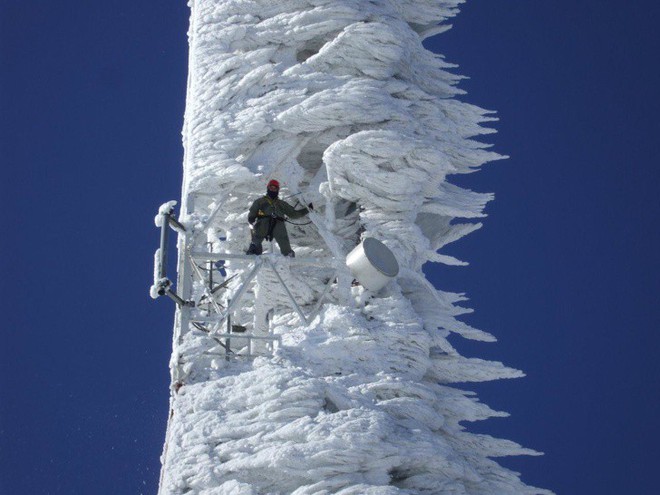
x,y
372,264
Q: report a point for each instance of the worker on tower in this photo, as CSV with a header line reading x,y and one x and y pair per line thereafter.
x,y
267,219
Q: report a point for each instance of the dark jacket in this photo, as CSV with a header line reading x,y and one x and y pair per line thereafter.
x,y
266,207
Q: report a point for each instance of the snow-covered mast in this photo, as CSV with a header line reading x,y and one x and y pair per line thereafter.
x,y
289,376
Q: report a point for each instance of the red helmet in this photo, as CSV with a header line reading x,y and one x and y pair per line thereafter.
x,y
273,182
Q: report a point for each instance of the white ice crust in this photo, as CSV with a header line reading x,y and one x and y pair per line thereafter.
x,y
339,101
164,209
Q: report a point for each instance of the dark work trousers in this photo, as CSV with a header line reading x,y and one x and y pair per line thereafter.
x,y
262,229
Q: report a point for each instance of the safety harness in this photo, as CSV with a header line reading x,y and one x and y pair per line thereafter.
x,y
272,219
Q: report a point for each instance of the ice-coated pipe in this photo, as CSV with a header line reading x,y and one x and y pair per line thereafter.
x,y
164,237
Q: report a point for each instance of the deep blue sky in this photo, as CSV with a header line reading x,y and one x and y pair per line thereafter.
x,y
565,271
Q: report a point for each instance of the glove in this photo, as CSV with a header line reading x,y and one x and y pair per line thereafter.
x,y
310,206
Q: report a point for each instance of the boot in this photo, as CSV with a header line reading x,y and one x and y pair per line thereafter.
x,y
253,249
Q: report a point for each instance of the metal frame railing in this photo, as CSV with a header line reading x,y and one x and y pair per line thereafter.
x,y
218,313
162,284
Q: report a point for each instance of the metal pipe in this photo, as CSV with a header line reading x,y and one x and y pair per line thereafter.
x,y
181,302
247,336
209,220
174,223
164,237
201,327
317,307
228,341
207,293
243,288
293,301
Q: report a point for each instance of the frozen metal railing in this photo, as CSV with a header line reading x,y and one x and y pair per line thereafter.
x,y
162,285
209,312
225,340
259,263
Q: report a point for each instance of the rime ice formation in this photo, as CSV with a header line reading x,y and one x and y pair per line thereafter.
x,y
339,101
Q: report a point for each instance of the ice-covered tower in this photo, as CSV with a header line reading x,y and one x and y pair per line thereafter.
x,y
291,375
